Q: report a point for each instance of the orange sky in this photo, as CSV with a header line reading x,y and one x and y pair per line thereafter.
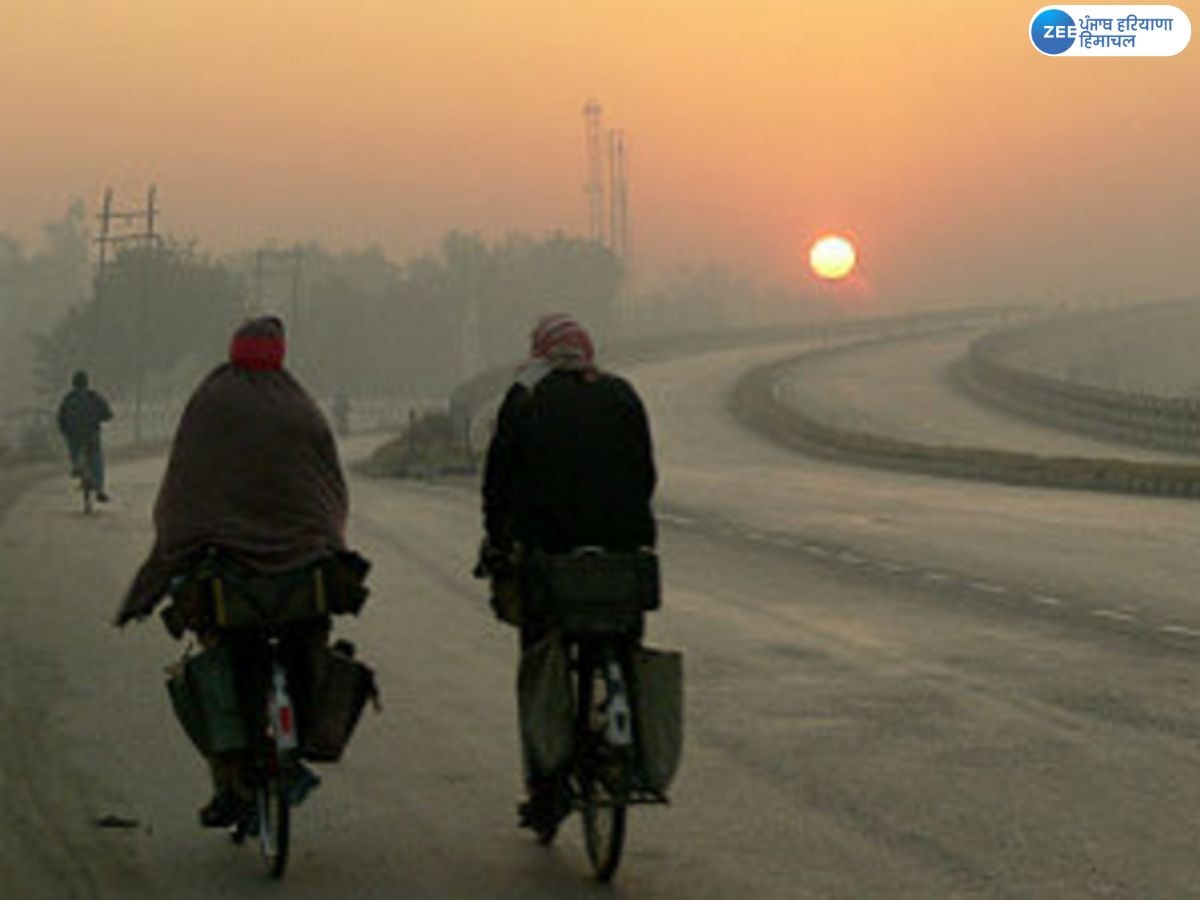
x,y
967,164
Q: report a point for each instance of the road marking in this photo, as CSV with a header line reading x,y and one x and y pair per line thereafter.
x,y
815,550
675,520
988,587
1045,600
779,541
1181,630
853,558
896,568
935,576
755,536
1113,615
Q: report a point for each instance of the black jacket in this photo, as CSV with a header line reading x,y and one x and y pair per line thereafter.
x,y
570,464
80,414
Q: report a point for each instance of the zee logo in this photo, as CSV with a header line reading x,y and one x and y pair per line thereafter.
x,y
1053,31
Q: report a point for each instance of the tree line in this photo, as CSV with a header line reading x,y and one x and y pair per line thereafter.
x,y
160,315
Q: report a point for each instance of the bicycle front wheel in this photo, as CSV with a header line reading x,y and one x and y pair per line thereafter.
x,y
603,828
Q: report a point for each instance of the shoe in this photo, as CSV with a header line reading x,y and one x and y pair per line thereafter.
x,y
101,496
222,811
544,811
302,782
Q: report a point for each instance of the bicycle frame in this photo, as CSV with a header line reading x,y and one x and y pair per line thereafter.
x,y
275,753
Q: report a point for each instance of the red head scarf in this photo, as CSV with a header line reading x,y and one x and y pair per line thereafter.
x,y
561,341
258,344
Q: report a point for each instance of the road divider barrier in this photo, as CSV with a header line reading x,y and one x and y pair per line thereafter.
x,y
756,401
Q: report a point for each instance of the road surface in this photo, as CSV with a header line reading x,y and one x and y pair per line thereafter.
x,y
898,687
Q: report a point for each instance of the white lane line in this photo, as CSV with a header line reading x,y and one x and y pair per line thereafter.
x,y
1045,600
1112,615
815,550
1182,630
988,588
896,568
675,520
853,558
780,541
755,536
935,576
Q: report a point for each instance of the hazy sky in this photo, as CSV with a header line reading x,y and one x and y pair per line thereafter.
x,y
966,164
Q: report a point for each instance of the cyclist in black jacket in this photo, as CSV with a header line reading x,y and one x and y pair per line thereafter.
x,y
570,464
80,415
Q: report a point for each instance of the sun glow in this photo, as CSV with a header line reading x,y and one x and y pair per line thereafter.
x,y
832,257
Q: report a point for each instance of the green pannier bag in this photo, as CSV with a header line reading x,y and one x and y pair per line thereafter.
x,y
658,714
545,705
204,695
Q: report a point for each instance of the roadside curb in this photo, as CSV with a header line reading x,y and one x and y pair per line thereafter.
x,y
754,401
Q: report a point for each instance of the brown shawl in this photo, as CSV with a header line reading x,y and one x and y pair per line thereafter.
x,y
253,469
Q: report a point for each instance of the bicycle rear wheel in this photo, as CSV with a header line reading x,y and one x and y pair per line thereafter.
x,y
86,488
274,821
602,798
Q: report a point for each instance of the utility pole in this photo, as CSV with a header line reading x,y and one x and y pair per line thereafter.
x,y
149,240
273,262
129,219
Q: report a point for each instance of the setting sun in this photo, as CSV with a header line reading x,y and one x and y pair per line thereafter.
x,y
832,257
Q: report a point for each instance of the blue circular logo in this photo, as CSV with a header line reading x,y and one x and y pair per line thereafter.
x,y
1053,31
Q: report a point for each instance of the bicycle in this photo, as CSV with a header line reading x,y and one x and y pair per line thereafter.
x,y
235,699
83,472
595,603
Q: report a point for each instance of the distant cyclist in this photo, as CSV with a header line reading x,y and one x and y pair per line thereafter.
x,y
80,416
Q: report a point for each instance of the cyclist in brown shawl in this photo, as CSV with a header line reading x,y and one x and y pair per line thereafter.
x,y
254,471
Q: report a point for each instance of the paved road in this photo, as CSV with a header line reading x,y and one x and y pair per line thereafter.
x,y
899,687
885,389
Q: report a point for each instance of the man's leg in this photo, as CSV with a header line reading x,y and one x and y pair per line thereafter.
x,y
75,452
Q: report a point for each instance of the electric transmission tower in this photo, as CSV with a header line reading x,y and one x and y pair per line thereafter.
x,y
593,115
618,197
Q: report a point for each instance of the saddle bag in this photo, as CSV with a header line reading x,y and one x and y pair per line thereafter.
x,y
590,592
341,687
204,695
545,705
658,714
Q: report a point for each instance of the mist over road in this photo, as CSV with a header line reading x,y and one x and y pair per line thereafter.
x,y
898,686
